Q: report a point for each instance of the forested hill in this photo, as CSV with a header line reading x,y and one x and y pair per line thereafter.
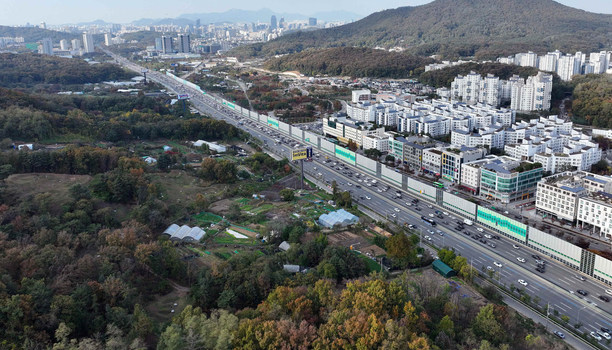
x,y
350,61
33,34
459,28
27,70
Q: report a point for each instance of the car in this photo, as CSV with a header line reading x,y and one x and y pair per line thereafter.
x,y
430,231
429,206
606,330
604,334
609,291
467,232
559,334
496,237
479,229
458,228
492,245
541,270
412,226
497,264
432,215
537,257
438,212
474,237
515,246
349,184
523,282
393,215
488,236
358,186
595,335
397,210
520,259
489,268
582,292
441,233
580,278
428,238
368,197
540,262
445,213
483,241
445,222
604,298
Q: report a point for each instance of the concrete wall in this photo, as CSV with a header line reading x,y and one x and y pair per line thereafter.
x,y
263,119
389,174
421,190
328,147
253,115
273,123
311,139
284,127
345,155
459,205
603,269
297,133
502,224
558,249
366,164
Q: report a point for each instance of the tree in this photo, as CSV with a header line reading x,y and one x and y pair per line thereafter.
x,y
487,325
243,174
234,211
6,171
352,145
400,250
372,153
389,158
164,161
287,194
447,326
79,191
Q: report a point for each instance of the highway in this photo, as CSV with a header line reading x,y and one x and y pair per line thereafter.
x,y
556,286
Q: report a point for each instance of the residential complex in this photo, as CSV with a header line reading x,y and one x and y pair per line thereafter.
x,y
558,195
88,43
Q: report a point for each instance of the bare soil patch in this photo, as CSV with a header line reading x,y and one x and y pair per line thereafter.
x,y
55,184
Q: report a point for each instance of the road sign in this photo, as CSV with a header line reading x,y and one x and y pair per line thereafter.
x,y
299,154
144,70
173,65
183,96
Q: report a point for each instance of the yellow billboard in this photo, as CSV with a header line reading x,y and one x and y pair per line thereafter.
x,y
299,154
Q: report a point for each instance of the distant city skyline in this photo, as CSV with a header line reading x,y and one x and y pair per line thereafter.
x,y
54,12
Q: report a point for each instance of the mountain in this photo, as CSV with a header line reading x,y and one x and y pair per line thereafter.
x,y
34,34
98,22
264,15
164,21
459,28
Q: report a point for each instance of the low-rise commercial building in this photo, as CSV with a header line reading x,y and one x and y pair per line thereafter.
x,y
508,180
453,158
595,213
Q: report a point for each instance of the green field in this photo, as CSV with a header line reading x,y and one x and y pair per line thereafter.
x,y
371,265
226,238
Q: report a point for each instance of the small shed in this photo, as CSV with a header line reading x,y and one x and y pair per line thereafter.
x,y
443,269
284,246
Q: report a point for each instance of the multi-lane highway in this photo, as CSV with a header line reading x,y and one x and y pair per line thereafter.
x,y
558,285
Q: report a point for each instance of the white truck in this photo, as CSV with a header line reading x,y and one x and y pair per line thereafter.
x,y
468,222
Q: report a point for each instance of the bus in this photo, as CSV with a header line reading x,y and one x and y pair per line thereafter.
x,y
428,221
438,185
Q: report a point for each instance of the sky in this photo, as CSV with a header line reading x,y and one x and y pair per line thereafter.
x,y
20,12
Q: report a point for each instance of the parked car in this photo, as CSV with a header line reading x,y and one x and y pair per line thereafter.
x,y
559,334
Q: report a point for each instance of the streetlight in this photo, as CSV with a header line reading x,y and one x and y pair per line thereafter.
x,y
578,317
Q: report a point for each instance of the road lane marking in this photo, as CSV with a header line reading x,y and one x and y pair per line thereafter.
x,y
559,307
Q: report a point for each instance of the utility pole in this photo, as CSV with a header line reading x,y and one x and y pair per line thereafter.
x,y
302,182
547,313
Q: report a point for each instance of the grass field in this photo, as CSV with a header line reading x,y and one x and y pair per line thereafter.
x,y
180,187
55,184
161,308
371,265
226,238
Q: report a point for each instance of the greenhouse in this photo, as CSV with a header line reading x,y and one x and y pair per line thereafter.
x,y
340,217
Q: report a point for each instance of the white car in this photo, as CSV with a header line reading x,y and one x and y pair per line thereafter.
x,y
479,229
349,184
604,334
497,264
515,246
428,238
432,215
488,236
393,215
489,268
397,210
409,204
430,231
429,206
520,259
595,335
368,197
523,282
445,213
609,291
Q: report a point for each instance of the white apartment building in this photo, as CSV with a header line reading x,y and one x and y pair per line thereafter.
x,y
46,47
534,94
361,111
466,88
184,43
76,44
432,161
548,62
88,43
364,95
567,67
380,143
528,59
595,212
64,45
108,39
558,195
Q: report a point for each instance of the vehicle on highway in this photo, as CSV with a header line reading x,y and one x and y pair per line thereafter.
x,y
429,206
523,282
468,222
541,270
604,298
559,334
515,246
479,229
412,226
488,236
432,215
604,329
417,208
483,241
604,334
358,186
458,228
497,264
581,278
582,292
489,268
595,335
445,222
394,215
467,233
428,221
368,197
428,238
445,213
520,259
537,257
397,210
430,231
609,291
540,262
492,245
349,184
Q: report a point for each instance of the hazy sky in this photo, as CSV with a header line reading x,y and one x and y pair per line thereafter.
x,y
17,12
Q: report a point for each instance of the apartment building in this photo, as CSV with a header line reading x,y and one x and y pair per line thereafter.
x,y
534,94
380,143
364,95
453,158
595,213
432,161
361,111
558,195
507,179
345,129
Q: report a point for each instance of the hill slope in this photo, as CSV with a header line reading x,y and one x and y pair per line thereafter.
x,y
459,27
33,34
